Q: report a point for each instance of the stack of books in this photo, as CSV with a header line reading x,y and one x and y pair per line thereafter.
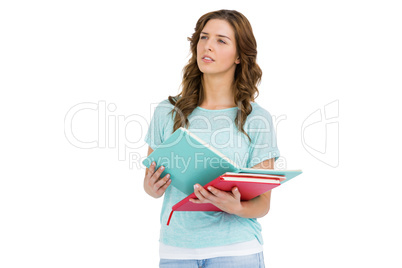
x,y
190,160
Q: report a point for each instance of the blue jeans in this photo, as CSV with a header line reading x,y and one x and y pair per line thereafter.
x,y
248,261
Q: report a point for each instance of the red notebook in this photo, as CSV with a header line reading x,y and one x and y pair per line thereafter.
x,y
249,185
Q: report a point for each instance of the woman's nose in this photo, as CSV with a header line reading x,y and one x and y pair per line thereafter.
x,y
208,45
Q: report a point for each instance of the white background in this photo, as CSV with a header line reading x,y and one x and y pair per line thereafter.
x,y
65,206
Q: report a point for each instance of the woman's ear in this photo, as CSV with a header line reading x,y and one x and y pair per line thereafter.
x,y
237,61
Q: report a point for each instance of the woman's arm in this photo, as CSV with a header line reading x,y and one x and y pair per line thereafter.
x,y
230,201
258,207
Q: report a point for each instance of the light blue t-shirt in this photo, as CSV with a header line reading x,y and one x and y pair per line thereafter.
x,y
217,127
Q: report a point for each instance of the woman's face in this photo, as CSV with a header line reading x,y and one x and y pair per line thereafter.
x,y
217,41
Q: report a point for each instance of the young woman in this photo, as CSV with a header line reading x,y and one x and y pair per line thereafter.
x,y
217,104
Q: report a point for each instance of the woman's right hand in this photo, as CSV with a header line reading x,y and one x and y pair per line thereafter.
x,y
154,185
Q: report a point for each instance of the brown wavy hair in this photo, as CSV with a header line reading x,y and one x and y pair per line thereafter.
x,y
246,78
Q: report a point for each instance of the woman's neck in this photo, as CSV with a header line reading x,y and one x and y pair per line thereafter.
x,y
218,92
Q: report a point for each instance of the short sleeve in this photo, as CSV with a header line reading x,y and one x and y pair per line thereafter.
x,y
261,130
157,127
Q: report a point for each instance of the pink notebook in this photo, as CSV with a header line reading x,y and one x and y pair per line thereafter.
x,y
249,185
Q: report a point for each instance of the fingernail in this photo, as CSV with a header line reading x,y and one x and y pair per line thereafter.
x,y
168,176
162,167
195,186
209,188
153,163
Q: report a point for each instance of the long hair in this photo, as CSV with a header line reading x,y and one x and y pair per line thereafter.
x,y
246,78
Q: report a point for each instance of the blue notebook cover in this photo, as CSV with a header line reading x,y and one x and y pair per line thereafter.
x,y
190,160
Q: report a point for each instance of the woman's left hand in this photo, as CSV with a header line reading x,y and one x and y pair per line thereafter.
x,y
227,201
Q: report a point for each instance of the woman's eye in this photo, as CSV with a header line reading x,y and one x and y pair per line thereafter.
x,y
202,37
220,40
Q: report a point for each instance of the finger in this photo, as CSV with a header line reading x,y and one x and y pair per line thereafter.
x,y
194,200
206,194
157,174
151,169
198,194
162,189
162,181
216,192
236,193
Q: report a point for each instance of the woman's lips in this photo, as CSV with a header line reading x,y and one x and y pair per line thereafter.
x,y
206,60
